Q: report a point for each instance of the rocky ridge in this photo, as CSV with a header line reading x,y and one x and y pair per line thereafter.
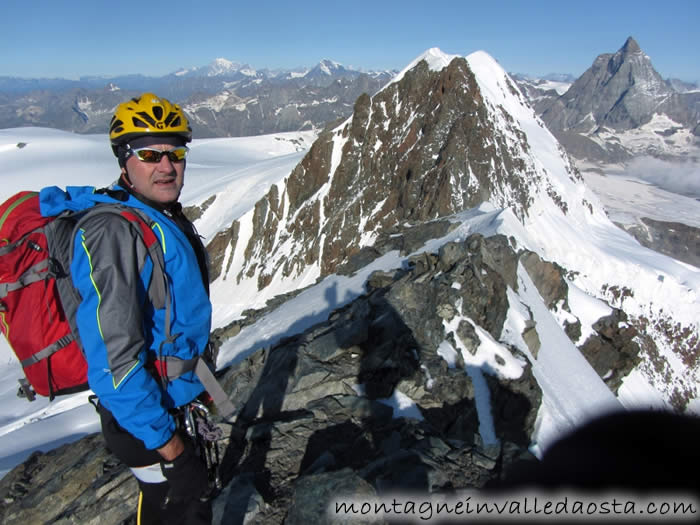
x,y
314,419
424,147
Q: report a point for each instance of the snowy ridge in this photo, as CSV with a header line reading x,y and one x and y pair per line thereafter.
x,y
585,223
556,369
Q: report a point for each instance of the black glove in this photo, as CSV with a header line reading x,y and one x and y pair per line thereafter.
x,y
186,474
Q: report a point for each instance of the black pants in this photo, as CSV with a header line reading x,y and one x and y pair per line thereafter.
x,y
151,508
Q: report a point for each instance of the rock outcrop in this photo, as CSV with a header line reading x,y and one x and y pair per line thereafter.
x,y
78,483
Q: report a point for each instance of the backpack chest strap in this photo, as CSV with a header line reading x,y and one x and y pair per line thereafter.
x,y
48,351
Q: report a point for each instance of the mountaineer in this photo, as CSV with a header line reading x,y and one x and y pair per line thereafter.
x,y
142,355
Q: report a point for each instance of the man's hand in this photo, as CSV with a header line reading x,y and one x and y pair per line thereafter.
x,y
172,448
185,472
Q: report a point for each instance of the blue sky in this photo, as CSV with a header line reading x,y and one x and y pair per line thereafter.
x,y
54,38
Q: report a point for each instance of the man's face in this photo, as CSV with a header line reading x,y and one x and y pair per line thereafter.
x,y
161,181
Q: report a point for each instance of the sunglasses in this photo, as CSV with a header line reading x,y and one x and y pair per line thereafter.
x,y
154,155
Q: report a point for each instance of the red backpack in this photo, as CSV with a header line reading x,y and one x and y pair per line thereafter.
x,y
38,302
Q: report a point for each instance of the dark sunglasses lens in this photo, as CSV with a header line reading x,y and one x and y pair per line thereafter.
x,y
149,155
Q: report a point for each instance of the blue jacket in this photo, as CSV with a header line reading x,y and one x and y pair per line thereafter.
x,y
119,329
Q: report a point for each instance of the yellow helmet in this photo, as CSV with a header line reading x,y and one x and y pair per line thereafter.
x,y
147,115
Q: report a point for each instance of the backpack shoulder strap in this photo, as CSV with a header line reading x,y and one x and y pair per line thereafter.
x,y
158,290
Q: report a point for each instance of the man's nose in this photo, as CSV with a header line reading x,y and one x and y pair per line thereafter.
x,y
165,164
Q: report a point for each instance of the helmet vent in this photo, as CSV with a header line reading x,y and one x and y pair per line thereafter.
x,y
170,117
139,123
145,116
117,126
158,112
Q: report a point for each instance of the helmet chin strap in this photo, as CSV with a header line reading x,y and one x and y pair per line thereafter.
x,y
125,178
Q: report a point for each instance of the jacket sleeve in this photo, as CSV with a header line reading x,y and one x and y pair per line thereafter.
x,y
111,270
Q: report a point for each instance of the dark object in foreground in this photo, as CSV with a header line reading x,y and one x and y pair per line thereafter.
x,y
633,451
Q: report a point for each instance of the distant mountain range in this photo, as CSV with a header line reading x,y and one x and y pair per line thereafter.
x,y
220,70
618,109
223,98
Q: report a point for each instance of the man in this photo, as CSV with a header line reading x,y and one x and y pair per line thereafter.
x,y
126,338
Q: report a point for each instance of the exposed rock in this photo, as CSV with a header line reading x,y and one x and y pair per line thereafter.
x,y
314,494
573,330
195,212
548,277
239,502
514,406
531,338
380,279
217,249
79,483
674,239
613,351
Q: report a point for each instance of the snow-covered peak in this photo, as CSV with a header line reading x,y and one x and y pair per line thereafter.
x,y
222,66
435,57
329,66
494,81
326,68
